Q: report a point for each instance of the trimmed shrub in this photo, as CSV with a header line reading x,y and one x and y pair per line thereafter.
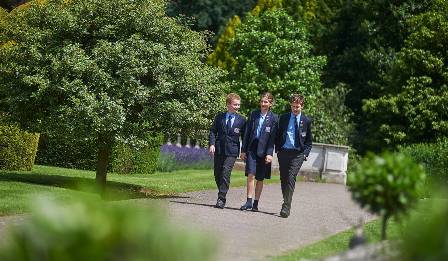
x,y
17,148
426,239
433,156
64,151
128,159
94,230
387,185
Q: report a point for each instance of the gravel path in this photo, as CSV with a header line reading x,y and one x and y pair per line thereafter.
x,y
318,210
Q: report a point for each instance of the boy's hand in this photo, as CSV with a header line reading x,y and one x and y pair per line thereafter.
x,y
211,150
268,159
243,156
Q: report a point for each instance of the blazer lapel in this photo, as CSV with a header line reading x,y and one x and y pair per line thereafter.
x,y
267,120
223,122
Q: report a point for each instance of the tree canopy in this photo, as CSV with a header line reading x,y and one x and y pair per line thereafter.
x,y
412,103
211,15
105,70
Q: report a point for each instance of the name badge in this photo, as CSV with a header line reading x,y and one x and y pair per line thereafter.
x,y
236,130
303,134
268,129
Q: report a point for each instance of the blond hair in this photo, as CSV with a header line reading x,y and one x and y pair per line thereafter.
x,y
232,96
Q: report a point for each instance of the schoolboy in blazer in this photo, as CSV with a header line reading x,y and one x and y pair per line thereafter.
x,y
293,145
224,144
258,148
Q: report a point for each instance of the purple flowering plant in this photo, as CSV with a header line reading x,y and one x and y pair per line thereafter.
x,y
173,157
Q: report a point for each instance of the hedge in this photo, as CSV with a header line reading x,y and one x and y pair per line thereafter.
x,y
433,156
61,150
128,159
17,148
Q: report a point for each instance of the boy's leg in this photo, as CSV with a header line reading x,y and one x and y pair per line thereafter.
x,y
224,180
250,192
258,190
295,164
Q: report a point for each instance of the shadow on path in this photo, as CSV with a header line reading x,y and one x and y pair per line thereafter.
x,y
114,190
213,206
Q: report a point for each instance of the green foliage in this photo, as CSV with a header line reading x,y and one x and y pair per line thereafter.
x,y
412,103
93,230
106,71
10,4
17,148
361,41
387,185
210,15
62,150
433,156
272,53
127,159
332,120
221,57
427,237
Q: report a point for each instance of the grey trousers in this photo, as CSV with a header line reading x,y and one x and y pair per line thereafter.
x,y
223,166
290,162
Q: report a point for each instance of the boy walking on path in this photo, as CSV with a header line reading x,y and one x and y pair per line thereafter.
x,y
258,148
293,145
224,144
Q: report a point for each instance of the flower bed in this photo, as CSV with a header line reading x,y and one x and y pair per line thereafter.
x,y
173,158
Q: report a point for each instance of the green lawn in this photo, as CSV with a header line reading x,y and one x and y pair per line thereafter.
x,y
17,187
339,242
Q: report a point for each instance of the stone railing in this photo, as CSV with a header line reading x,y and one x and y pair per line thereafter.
x,y
326,162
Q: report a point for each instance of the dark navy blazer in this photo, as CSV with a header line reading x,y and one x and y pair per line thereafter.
x,y
227,142
305,136
268,130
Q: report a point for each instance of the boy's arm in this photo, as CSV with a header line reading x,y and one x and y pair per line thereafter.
x,y
213,132
245,135
308,140
272,138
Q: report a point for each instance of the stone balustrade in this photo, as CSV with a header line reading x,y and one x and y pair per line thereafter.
x,y
326,162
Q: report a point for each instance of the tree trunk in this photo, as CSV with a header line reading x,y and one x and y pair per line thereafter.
x,y
104,151
384,226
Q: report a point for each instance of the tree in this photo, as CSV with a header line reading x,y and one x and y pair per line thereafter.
x,y
412,103
105,70
211,15
387,185
10,4
272,53
361,43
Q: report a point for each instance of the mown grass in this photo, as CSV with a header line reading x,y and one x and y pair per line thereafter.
x,y
339,242
17,187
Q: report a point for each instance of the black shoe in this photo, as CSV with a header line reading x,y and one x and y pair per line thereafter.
x,y
220,204
284,213
246,206
254,209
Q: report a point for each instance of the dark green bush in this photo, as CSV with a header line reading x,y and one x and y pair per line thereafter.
x,y
426,238
387,185
17,148
128,159
62,150
95,230
433,156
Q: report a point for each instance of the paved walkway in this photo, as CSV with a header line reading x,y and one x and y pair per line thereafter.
x,y
318,210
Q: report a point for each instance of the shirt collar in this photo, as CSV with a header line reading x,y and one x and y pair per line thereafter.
x,y
298,115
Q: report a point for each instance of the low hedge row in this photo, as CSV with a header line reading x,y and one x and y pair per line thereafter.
x,y
63,151
433,156
127,159
17,148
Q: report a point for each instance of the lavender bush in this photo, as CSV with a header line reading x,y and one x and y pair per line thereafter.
x,y
173,158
